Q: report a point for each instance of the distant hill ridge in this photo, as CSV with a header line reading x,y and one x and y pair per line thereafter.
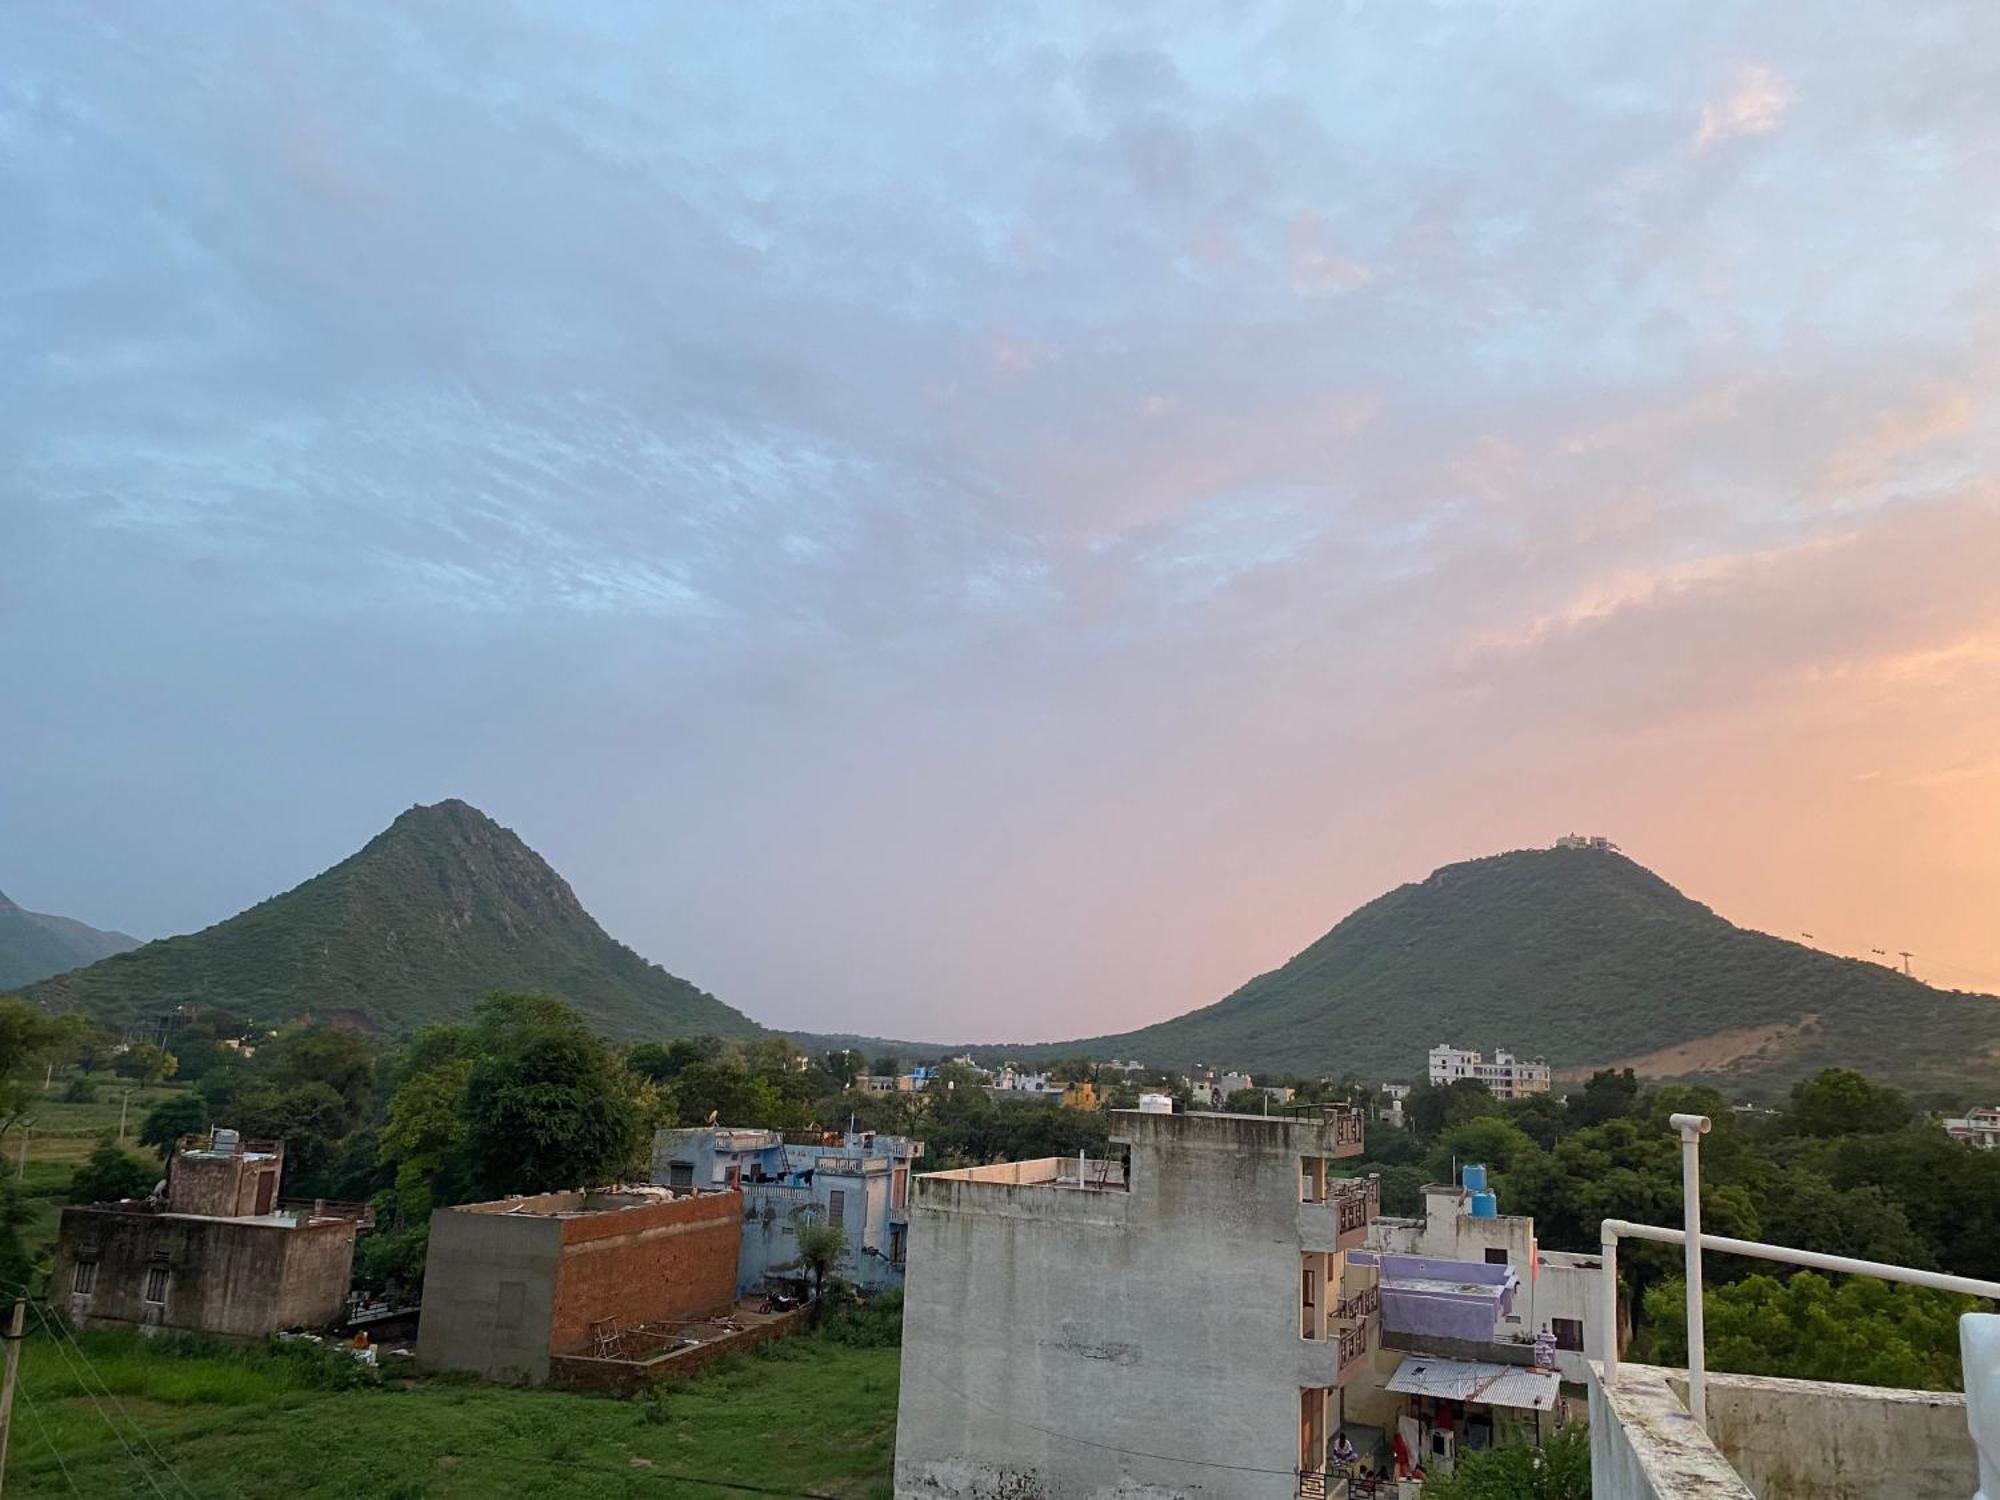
x,y
36,944
434,913
1581,956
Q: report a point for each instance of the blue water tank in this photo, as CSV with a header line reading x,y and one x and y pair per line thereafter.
x,y
1473,1176
1485,1205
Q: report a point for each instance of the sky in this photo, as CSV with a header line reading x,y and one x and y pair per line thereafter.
x,y
987,521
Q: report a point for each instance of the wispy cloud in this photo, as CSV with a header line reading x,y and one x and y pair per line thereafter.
x,y
1756,103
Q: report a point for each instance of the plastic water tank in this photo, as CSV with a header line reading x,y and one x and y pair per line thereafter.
x,y
1485,1205
1474,1176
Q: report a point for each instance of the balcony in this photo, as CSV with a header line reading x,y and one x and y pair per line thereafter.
x,y
1363,1304
1355,1345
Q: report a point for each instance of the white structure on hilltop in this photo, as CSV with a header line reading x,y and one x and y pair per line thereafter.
x,y
1586,841
1506,1077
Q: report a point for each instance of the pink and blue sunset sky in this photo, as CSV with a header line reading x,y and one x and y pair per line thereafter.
x,y
1002,520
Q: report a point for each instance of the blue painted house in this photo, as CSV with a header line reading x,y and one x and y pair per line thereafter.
x,y
857,1179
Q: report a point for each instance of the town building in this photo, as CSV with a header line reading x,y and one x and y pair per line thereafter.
x,y
218,1253
1234,1083
1506,1077
1081,1094
1066,1318
511,1285
1587,841
1981,1127
1556,1305
859,1180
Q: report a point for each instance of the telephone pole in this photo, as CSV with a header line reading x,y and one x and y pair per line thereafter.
x,y
1906,956
14,1327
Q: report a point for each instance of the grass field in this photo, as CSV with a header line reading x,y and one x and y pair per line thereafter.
x,y
805,1417
60,1136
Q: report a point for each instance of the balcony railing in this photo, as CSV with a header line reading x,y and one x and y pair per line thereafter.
x,y
1364,1302
1353,1344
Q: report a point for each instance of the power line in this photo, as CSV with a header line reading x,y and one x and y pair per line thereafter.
x,y
131,1453
49,1438
159,1457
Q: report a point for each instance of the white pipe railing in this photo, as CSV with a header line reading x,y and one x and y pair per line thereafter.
x,y
1695,1242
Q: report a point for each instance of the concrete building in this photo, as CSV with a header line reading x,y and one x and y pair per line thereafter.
x,y
217,1255
1979,1128
1506,1077
1176,1320
1079,1095
859,1180
1595,841
510,1284
1557,1301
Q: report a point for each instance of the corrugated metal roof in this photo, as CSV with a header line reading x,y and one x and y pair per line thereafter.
x,y
1475,1380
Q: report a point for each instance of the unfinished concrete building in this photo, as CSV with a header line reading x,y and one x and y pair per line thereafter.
x,y
218,1255
511,1284
1176,1321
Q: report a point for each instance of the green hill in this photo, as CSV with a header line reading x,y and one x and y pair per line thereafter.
x,y
34,944
439,910
1585,958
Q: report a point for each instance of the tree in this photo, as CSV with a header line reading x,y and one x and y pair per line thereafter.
x,y
31,1039
1558,1470
340,1060
146,1064
1839,1101
1433,1109
424,1133
17,1265
112,1173
170,1119
1606,1095
1863,1331
547,1105
821,1248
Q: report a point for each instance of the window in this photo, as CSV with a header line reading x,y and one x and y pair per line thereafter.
x,y
836,1206
513,1295
680,1174
1568,1332
1496,1255
156,1283
897,1252
1309,1299
84,1278
899,1188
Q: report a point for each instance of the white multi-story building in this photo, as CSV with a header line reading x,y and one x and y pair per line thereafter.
x,y
1979,1128
1506,1077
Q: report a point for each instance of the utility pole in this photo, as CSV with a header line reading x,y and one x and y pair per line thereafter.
x,y
124,1100
1906,957
21,1171
14,1327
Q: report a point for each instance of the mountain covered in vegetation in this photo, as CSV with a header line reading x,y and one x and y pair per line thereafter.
x,y
438,911
35,944
1585,958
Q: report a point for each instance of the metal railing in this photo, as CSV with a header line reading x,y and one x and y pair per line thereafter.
x,y
1693,1241
1353,1344
1364,1302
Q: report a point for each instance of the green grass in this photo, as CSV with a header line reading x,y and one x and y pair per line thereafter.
x,y
806,1416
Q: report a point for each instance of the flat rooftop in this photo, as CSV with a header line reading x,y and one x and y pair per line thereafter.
x,y
582,1202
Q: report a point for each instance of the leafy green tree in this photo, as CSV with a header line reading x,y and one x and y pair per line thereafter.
x,y
340,1060
17,1265
1839,1101
821,1248
146,1064
172,1118
547,1106
1491,1140
1432,1110
733,1095
1558,1470
1606,1095
111,1173
424,1133
1863,1331
30,1040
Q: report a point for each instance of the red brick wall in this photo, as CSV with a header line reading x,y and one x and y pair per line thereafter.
x,y
641,1265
